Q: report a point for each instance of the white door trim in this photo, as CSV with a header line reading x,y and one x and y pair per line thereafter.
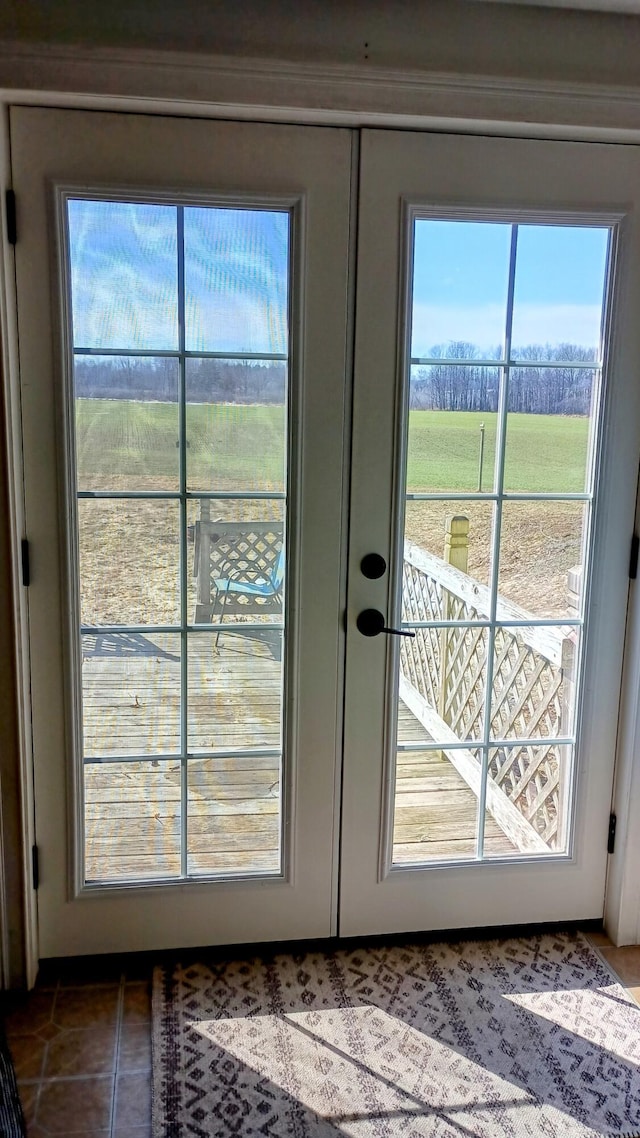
x,y
183,83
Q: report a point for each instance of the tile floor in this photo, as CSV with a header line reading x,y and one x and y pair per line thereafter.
x,y
81,1044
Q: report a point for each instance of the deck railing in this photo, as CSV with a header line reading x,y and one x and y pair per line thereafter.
x,y
442,680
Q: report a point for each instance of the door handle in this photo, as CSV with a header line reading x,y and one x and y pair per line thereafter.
x,y
370,622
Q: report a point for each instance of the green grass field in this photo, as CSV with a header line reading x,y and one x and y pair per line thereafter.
x,y
134,445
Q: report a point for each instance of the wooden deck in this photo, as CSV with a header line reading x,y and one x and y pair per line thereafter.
x,y
133,809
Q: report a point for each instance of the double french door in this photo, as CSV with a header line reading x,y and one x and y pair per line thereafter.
x,y
244,727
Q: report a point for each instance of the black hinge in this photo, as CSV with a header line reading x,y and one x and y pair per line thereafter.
x,y
35,866
633,557
26,564
12,223
611,838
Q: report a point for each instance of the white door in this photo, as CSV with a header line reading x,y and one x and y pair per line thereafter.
x,y
182,293
496,428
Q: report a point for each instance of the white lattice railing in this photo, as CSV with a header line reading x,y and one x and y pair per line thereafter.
x,y
442,681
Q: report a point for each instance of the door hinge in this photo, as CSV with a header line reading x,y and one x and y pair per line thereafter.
x,y
611,837
35,866
26,562
12,223
633,557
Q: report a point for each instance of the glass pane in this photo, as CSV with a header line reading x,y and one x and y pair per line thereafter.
x,y
235,690
529,794
549,430
559,291
235,561
127,427
129,561
448,546
452,428
436,811
460,277
234,815
130,693
124,259
541,556
442,684
534,688
132,821
236,411
236,280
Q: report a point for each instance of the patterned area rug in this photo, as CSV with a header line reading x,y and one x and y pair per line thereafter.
x,y
496,1039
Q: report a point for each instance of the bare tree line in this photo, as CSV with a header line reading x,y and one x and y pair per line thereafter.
x,y
145,378
447,385
533,389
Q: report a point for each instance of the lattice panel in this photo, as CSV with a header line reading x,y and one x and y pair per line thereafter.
x,y
463,683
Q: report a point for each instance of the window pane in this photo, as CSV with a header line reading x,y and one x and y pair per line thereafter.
x,y
129,561
534,672
236,424
132,821
130,693
444,534
549,430
236,561
452,428
442,683
127,427
123,259
460,276
541,557
235,690
234,816
236,280
559,291
436,812
530,794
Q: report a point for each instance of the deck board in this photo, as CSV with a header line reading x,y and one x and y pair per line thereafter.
x,y
132,707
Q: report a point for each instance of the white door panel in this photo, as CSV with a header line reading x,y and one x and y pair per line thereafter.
x,y
225,247
504,661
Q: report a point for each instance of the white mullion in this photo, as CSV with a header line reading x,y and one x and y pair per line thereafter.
x,y
503,406
183,537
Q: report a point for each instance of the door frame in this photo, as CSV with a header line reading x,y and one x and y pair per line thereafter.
x,y
172,83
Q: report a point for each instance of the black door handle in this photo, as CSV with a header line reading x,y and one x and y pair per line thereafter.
x,y
370,622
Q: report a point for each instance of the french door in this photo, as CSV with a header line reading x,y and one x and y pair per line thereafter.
x,y
183,311
494,468
201,754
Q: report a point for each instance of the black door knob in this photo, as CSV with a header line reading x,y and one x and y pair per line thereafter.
x,y
370,622
373,566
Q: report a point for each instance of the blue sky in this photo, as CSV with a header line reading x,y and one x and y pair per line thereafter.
x,y
124,280
461,276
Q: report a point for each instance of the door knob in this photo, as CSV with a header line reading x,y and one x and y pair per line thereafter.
x,y
370,622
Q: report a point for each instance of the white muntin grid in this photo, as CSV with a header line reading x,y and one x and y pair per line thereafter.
x,y
504,366
183,496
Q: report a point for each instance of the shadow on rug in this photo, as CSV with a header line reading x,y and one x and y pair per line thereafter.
x,y
492,1039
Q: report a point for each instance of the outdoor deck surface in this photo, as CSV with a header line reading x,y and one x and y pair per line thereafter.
x,y
133,809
